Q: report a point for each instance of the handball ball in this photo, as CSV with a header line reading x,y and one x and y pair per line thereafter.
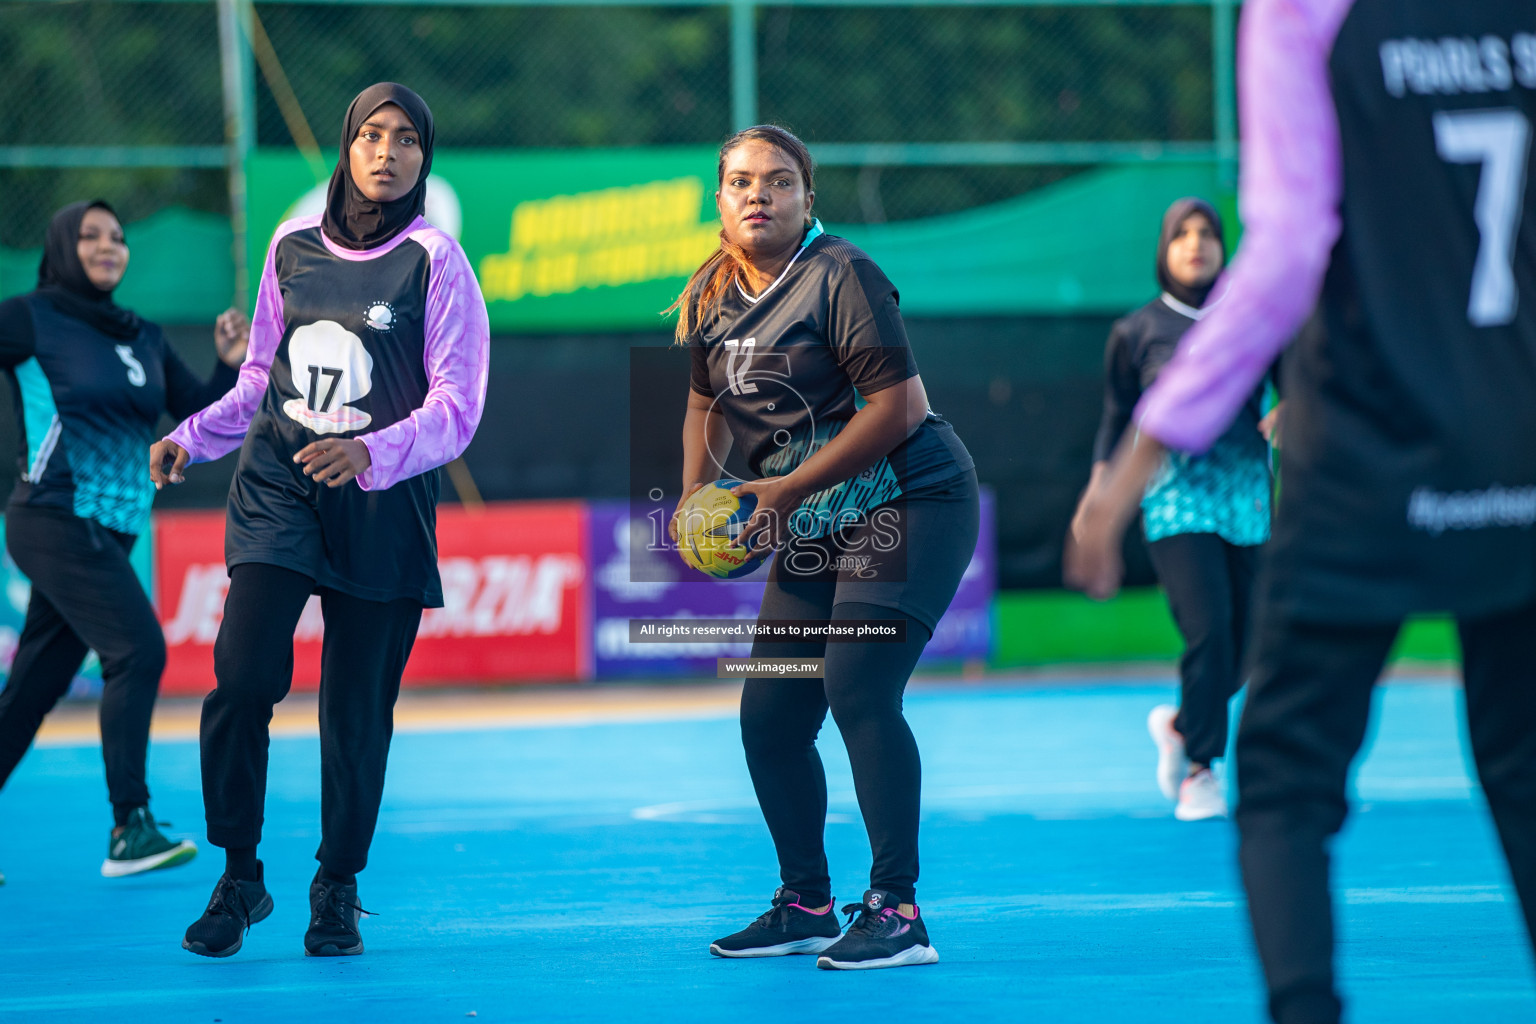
x,y
709,531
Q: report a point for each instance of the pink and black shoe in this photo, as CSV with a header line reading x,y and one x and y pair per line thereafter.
x,y
879,936
786,928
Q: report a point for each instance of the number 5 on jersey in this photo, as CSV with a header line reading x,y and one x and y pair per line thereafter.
x,y
136,375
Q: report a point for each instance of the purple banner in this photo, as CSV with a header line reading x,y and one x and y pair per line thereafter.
x,y
621,546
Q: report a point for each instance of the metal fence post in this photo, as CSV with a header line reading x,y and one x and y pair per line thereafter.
x,y
1224,73
239,80
743,63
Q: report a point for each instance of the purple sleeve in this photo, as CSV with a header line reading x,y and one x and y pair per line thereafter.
x,y
220,428
457,364
1292,180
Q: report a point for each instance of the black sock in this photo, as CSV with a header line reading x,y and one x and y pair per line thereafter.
x,y
240,863
337,876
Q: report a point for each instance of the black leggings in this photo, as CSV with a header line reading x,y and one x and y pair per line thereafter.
x,y
363,656
780,719
1210,588
914,581
1308,708
84,596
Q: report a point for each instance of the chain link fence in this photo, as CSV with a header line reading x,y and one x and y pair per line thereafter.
x,y
94,88
913,110
509,77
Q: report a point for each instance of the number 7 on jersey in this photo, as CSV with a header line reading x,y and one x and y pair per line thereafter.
x,y
1501,141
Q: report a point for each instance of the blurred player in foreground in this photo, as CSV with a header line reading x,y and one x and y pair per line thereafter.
x,y
1387,147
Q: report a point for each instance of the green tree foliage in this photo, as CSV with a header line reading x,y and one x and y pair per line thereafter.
x,y
107,74
147,73
931,74
511,76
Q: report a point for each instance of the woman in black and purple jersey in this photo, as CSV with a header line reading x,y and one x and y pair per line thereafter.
x,y
874,510
367,372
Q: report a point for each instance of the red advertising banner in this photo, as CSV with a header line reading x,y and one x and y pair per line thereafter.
x,y
516,604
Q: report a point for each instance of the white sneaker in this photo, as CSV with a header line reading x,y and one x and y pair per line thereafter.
x,y
1200,798
1172,765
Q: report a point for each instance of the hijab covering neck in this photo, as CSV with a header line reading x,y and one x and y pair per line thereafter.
x,y
62,280
352,220
1173,220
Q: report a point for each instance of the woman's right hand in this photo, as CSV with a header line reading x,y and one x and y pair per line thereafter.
x,y
231,337
167,460
1080,517
688,492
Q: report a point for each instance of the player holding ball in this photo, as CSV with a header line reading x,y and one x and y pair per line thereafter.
x,y
873,512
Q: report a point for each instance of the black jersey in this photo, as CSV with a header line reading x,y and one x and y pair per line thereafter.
x,y
785,368
1409,465
86,406
388,346
1139,346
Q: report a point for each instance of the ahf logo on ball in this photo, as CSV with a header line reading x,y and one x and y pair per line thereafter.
x,y
379,316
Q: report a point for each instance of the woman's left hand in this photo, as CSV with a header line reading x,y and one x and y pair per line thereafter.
x,y
231,337
1269,426
334,461
1091,562
777,499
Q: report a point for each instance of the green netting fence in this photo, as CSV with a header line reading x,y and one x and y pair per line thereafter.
x,y
914,110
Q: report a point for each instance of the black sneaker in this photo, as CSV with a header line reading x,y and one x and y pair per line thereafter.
x,y
878,936
333,916
787,928
235,906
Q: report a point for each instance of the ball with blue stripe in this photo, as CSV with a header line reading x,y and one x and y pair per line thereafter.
x,y
711,531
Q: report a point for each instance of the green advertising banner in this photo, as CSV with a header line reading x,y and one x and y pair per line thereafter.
x,y
591,240
605,239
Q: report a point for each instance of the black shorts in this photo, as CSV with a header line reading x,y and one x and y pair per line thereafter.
x,y
908,554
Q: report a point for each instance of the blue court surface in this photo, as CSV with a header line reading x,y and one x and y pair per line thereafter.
x,y
578,872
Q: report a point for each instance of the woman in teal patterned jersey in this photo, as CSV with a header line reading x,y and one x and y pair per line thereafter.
x,y
1204,516
89,383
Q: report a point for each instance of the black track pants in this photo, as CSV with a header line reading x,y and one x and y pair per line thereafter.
x,y
84,596
1210,588
364,654
1308,708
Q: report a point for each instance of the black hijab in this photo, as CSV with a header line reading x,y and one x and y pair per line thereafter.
x,y
352,220
61,277
1177,214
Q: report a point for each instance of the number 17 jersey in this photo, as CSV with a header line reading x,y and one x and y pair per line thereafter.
x,y
387,346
